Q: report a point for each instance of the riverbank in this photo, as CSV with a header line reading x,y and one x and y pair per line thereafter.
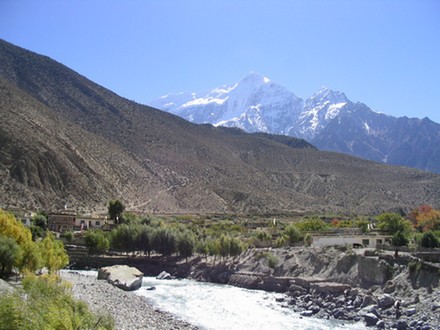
x,y
369,286
130,311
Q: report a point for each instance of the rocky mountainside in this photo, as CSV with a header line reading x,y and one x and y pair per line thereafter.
x,y
328,120
65,139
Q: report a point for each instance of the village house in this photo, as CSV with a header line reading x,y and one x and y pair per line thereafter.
x,y
372,240
83,223
61,222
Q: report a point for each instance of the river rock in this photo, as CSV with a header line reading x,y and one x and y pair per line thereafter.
x,y
164,276
380,324
121,276
401,325
411,311
385,301
368,300
307,313
370,319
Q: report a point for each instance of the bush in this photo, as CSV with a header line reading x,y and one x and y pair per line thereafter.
x,y
293,234
272,260
429,240
400,239
308,239
48,305
313,224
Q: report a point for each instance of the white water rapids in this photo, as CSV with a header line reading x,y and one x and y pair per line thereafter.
x,y
214,306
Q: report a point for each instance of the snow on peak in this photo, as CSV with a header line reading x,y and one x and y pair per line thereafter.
x,y
256,103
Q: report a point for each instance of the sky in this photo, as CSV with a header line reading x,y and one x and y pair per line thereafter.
x,y
384,53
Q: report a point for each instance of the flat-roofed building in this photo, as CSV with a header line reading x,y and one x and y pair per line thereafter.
x,y
61,222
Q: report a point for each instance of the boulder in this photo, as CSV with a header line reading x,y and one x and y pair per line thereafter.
x,y
385,301
123,277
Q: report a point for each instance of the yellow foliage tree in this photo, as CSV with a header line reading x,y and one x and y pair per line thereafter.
x,y
10,227
29,259
425,218
55,257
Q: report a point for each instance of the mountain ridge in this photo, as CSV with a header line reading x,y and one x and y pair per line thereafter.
x,y
66,140
271,108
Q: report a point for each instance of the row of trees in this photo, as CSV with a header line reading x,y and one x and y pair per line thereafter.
x,y
163,239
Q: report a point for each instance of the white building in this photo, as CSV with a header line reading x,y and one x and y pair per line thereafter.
x,y
361,240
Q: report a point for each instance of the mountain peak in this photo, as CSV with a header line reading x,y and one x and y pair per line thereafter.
x,y
255,78
326,94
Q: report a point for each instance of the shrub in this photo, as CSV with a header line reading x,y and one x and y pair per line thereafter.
x,y
400,239
293,234
272,260
429,240
48,305
308,239
314,224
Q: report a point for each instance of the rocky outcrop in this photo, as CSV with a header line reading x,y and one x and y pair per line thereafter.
x,y
123,277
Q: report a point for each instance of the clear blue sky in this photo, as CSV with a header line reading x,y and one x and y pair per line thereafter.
x,y
384,53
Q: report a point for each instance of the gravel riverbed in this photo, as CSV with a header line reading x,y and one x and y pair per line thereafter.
x,y
129,310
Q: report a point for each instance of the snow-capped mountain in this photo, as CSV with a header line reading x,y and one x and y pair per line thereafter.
x,y
328,119
254,104
318,111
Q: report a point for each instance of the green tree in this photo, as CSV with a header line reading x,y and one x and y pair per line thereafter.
x,y
429,240
123,238
164,241
392,223
185,244
224,246
143,239
96,241
400,239
9,255
115,209
235,247
40,220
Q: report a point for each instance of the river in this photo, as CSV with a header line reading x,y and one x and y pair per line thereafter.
x,y
214,306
